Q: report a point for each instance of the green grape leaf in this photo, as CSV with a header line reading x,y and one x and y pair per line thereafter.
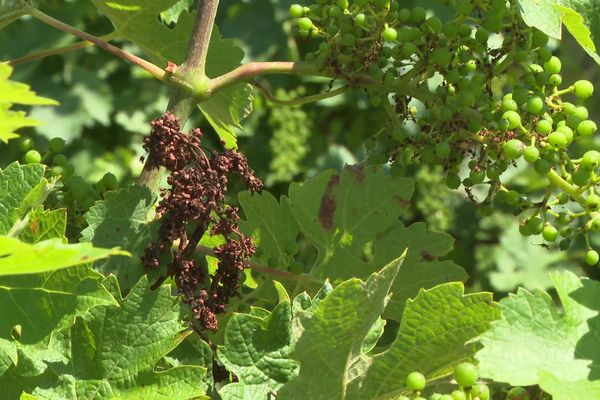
x,y
575,24
561,390
11,10
256,349
588,9
15,93
352,219
45,224
18,257
139,24
518,263
115,351
122,219
534,343
434,336
22,187
542,15
47,302
332,334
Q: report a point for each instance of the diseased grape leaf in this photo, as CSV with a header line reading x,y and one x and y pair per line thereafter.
x,y
139,23
534,343
12,92
352,219
122,219
45,224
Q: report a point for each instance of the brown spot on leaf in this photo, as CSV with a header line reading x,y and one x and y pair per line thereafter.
x,y
328,204
426,256
358,171
403,202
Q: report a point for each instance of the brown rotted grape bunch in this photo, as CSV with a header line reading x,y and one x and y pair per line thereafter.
x,y
192,206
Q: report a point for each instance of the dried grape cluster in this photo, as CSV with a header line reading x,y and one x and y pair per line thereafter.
x,y
192,206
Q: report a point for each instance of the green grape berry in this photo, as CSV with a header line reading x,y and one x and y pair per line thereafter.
x,y
415,381
558,140
296,10
555,80
305,24
592,202
590,160
360,19
535,105
583,89
60,159
553,65
509,104
513,119
459,395
26,143
531,154
482,391
517,393
544,126
466,374
110,181
389,34
591,257
453,181
550,233
586,128
32,157
513,149
56,145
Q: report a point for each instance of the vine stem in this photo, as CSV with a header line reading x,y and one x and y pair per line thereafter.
x,y
195,60
300,100
156,71
565,186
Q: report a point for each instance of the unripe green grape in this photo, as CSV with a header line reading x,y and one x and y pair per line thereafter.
x,y
513,119
595,224
564,246
348,39
417,15
415,381
531,154
466,374
471,65
573,121
563,198
459,395
389,34
435,396
482,391
513,149
520,95
360,19
56,145
26,143
583,89
535,225
555,80
569,108
553,65
403,398
568,132
586,128
447,397
581,112
590,160
563,218
403,15
544,54
434,23
581,177
542,167
525,229
343,4
535,105
441,56
60,159
550,233
32,157
508,104
558,140
334,11
538,38
591,257
482,35
57,170
476,177
466,99
513,197
544,127
296,11
305,24
592,202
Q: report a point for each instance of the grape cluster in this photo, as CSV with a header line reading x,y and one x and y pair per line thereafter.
x,y
75,193
195,204
480,88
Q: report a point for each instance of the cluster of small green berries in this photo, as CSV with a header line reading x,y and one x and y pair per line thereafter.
x,y
465,375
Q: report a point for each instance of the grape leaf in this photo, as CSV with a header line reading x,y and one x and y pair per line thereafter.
x,y
139,24
575,24
534,343
542,15
45,224
433,337
15,93
256,349
22,187
352,219
115,351
17,257
122,219
332,335
589,10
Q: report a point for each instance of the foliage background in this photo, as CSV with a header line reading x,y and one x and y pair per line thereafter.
x,y
106,106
